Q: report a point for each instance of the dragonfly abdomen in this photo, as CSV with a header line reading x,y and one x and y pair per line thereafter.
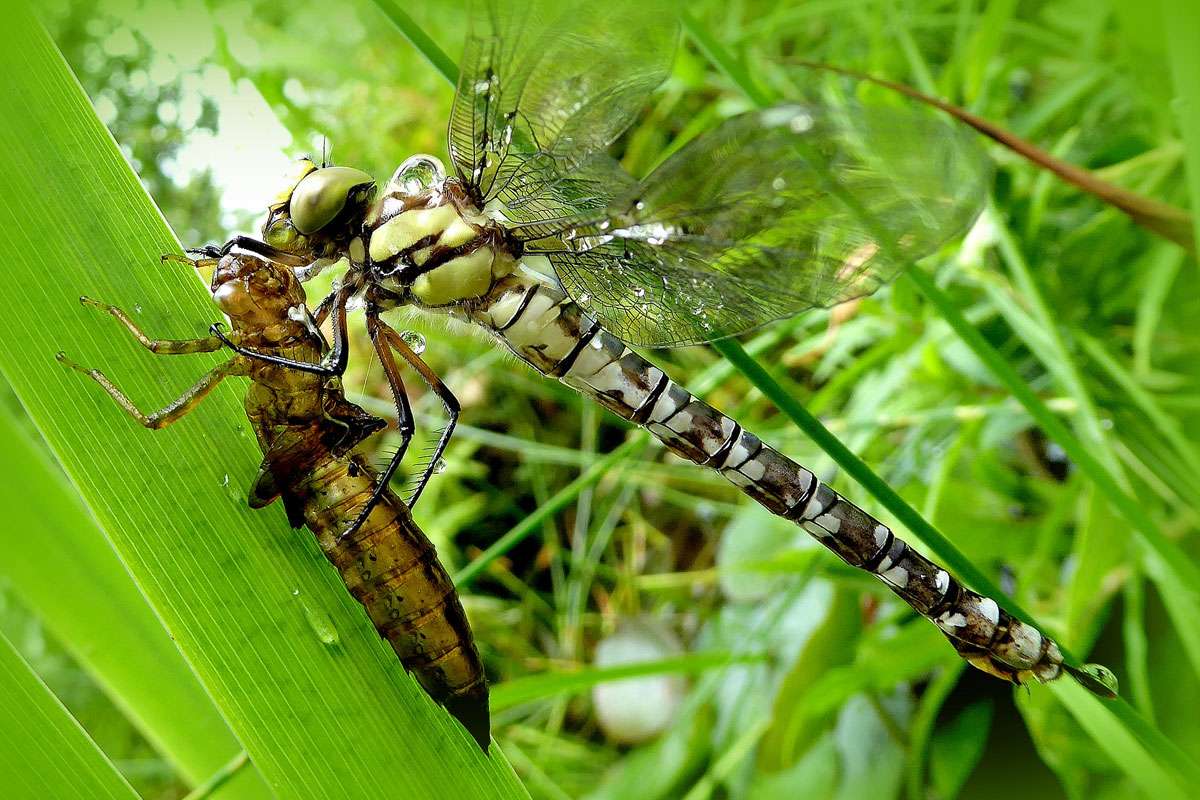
x,y
390,567
543,327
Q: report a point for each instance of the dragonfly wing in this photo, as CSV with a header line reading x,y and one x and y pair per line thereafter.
x,y
545,86
772,212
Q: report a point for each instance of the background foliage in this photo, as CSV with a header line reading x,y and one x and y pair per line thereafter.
x,y
782,674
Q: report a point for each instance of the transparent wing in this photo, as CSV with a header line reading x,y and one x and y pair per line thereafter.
x,y
771,213
545,87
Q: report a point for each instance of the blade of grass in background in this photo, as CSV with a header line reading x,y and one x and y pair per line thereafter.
x,y
43,751
549,684
61,566
324,710
1183,39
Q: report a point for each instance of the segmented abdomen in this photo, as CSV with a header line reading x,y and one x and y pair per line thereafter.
x,y
391,568
553,334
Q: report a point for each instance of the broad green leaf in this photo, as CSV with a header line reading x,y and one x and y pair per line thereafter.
x,y
65,571
43,751
659,771
792,734
321,716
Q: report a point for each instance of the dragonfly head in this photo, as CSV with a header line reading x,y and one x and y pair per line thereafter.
x,y
319,210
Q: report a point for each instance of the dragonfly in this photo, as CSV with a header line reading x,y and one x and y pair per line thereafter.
x,y
539,237
309,432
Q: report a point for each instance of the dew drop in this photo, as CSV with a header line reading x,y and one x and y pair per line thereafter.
x,y
225,480
138,308
414,340
638,291
1096,678
778,184
584,299
318,621
439,466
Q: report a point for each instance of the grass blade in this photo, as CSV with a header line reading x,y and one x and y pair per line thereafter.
x,y
321,716
1183,39
43,751
550,684
103,619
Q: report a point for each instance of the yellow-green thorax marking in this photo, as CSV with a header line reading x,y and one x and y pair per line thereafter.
x,y
426,241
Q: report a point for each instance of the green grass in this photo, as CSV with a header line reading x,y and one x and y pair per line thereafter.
x,y
1027,400
44,752
320,716
103,619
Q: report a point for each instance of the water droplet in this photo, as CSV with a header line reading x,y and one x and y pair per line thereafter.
x,y
414,340
778,184
439,466
225,480
584,299
318,621
137,308
418,174
1096,678
638,291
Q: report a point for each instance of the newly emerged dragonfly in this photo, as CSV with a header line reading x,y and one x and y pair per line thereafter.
x,y
308,432
539,237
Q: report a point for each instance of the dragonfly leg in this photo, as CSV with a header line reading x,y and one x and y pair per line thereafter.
x,y
449,402
404,417
251,245
209,344
334,363
173,411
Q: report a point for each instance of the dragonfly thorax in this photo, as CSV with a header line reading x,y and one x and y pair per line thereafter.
x,y
426,239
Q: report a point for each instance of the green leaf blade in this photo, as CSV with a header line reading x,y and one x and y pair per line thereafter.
x,y
337,720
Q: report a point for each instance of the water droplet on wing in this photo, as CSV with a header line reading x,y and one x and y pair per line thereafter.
x,y
439,466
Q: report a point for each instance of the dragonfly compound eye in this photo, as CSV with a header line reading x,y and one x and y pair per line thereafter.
x,y
322,195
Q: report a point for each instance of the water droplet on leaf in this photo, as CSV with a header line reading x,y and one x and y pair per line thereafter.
x,y
318,621
439,466
1096,678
